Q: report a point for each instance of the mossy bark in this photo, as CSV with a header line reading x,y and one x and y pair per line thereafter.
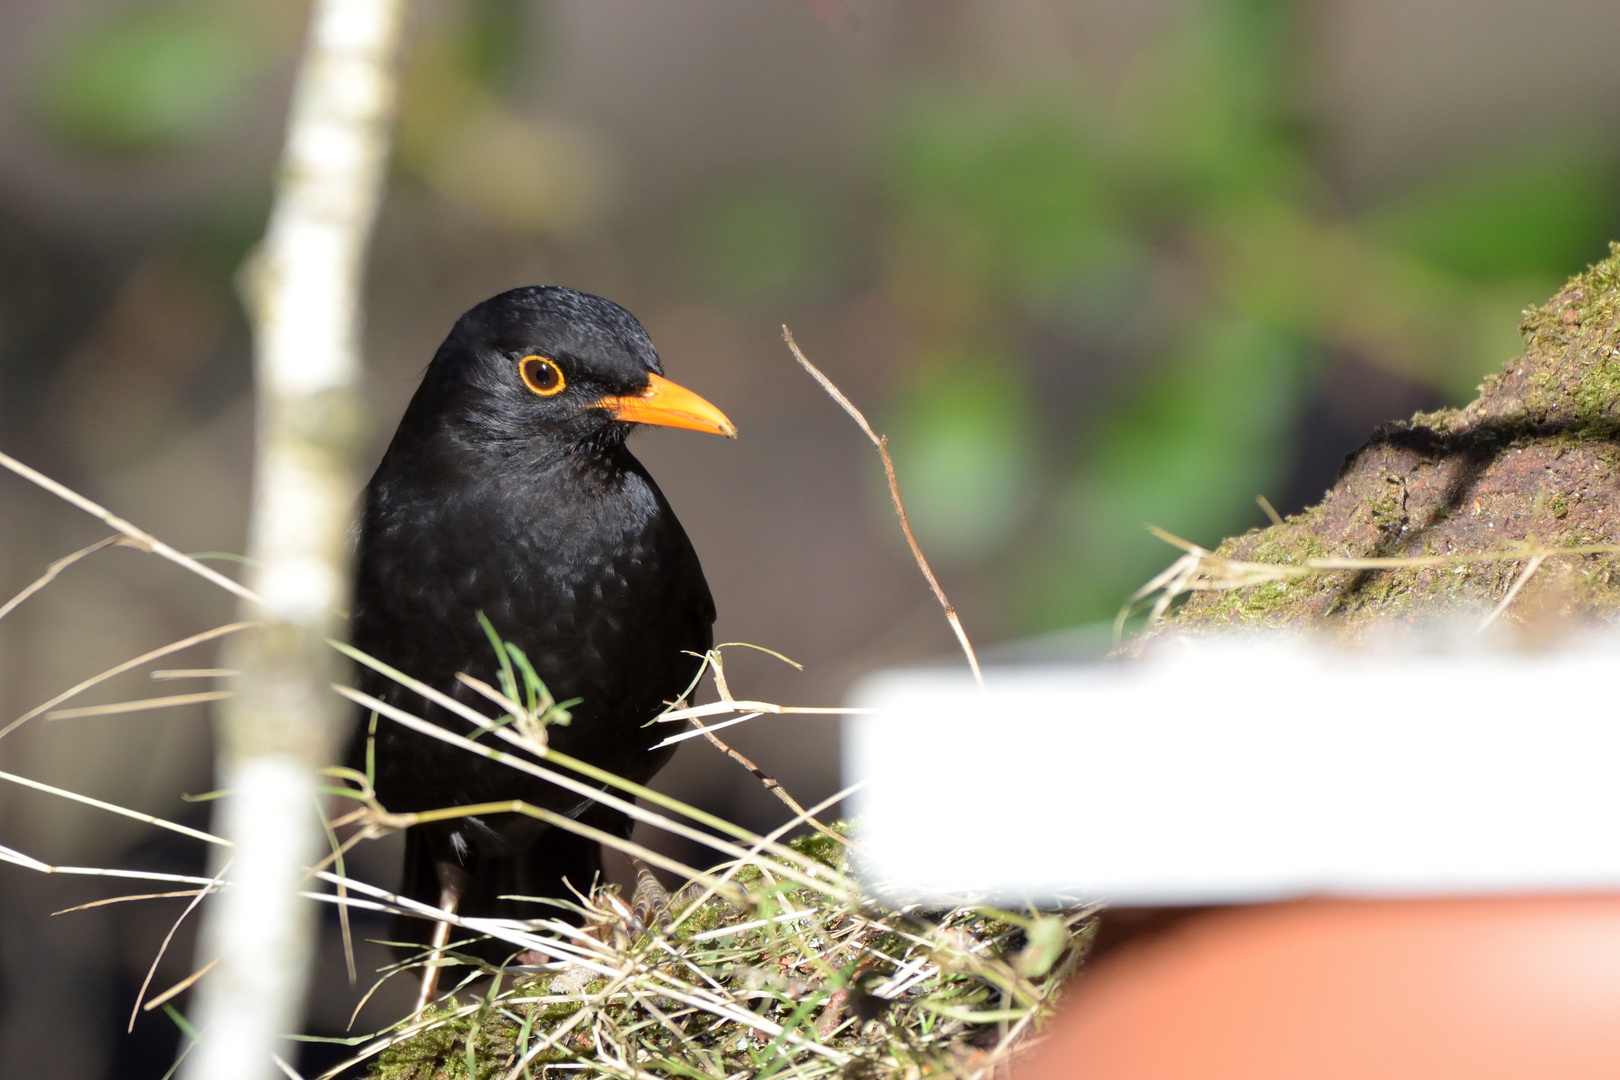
x,y
1536,453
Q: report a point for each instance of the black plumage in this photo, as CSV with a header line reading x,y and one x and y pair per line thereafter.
x,y
508,490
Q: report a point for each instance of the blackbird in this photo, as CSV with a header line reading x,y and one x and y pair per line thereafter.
x,y
508,492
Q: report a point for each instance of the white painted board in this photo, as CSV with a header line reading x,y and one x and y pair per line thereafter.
x,y
1244,770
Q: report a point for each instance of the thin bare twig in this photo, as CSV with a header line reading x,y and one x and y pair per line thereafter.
x,y
882,444
772,784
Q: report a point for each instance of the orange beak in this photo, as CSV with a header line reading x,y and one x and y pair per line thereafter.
x,y
667,405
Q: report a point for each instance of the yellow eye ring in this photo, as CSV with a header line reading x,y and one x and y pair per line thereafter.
x,y
542,375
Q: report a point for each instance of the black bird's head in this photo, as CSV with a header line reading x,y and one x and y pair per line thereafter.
x,y
548,364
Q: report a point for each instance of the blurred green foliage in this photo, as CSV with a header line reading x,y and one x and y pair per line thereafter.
x,y
763,244
1534,211
1181,226
1187,451
971,455
491,39
147,79
1120,298
1017,205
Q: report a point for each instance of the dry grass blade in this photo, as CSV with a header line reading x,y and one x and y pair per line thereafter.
x,y
1200,570
716,665
533,735
770,838
119,669
335,858
552,756
140,537
126,899
28,862
1170,579
547,1042
882,444
800,988
568,824
56,568
699,731
718,708
403,1033
776,967
167,938
1529,572
638,813
755,979
113,808
771,783
180,987
522,935
138,705
380,822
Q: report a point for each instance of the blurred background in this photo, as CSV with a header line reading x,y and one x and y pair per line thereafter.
x,y
1089,264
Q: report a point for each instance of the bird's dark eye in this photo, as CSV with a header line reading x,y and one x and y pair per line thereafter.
x,y
541,375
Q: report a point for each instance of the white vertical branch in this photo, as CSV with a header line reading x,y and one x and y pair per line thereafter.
x,y
304,294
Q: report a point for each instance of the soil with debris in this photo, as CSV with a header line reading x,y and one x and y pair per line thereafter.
x,y
1535,455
